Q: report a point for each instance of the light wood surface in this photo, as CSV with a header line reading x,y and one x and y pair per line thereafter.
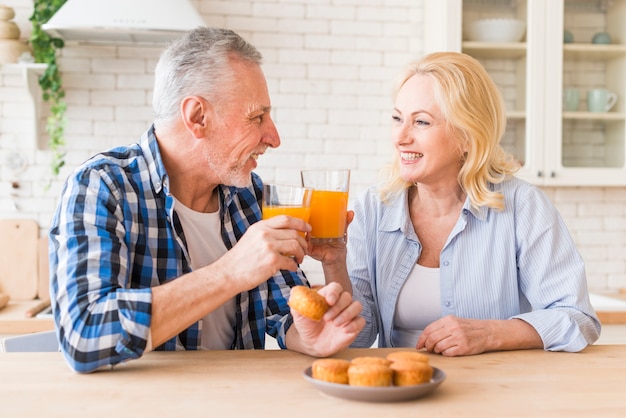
x,y
19,258
270,384
43,269
13,319
611,316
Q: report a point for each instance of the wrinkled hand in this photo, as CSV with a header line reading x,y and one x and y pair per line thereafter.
x,y
267,247
453,336
336,330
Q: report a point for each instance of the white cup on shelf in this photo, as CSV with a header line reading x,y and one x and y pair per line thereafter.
x,y
600,100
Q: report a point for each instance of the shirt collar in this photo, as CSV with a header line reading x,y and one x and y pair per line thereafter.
x,y
479,213
150,148
396,214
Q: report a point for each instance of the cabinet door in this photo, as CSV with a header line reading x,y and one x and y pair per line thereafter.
x,y
512,65
554,146
589,149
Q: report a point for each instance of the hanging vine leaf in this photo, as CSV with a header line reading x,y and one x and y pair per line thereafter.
x,y
45,51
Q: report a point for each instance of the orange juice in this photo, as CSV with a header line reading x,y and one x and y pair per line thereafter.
x,y
295,211
328,214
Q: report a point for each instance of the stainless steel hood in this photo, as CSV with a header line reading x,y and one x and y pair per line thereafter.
x,y
113,22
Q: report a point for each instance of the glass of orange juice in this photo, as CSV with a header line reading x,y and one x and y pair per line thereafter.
x,y
328,204
280,199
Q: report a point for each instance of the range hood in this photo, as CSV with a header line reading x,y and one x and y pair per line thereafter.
x,y
115,22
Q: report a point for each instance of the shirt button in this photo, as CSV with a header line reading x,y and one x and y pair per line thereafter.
x,y
157,184
446,263
448,304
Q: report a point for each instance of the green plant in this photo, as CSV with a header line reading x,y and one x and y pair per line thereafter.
x,y
45,51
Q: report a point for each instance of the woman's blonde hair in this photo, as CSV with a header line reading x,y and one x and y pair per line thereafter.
x,y
473,110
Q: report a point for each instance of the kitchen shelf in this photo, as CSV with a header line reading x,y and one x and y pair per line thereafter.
x,y
605,116
593,51
506,50
516,114
31,73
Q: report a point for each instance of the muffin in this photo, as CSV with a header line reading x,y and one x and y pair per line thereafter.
x,y
331,370
407,356
371,360
307,302
369,375
407,373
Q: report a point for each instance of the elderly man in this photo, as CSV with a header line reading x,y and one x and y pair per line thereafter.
x,y
160,245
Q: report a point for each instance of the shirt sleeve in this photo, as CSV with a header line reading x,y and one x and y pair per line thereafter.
x,y
552,276
361,266
278,315
100,320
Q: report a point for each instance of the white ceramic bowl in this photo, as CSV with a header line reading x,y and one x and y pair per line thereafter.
x,y
496,30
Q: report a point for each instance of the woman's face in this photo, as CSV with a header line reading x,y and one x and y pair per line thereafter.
x,y
427,152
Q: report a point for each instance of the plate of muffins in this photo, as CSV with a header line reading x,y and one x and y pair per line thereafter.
x,y
400,376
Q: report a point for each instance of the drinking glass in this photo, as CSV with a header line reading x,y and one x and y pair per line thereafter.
x,y
280,199
329,203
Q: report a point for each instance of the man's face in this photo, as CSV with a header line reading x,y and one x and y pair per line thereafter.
x,y
242,128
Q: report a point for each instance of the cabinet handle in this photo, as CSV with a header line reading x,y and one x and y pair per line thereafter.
x,y
539,173
552,174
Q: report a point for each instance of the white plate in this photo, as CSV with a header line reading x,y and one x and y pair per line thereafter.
x,y
377,394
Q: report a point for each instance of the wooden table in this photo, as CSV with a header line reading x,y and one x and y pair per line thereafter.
x,y
270,384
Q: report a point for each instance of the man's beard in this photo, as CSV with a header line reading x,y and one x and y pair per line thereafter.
x,y
235,176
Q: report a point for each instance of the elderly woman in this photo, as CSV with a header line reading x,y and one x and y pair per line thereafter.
x,y
452,253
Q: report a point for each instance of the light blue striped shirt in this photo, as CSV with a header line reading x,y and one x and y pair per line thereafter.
x,y
517,263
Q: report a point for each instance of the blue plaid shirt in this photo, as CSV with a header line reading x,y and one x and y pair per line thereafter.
x,y
115,235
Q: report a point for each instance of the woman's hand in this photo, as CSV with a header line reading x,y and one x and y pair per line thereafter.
x,y
453,336
333,258
332,252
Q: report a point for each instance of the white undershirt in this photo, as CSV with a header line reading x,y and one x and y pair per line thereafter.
x,y
418,305
205,245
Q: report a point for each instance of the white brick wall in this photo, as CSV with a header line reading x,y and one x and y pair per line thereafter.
x,y
329,64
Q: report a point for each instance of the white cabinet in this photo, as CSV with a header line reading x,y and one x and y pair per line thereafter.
x,y
555,147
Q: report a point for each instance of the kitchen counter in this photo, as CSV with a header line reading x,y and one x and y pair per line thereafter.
x,y
270,383
610,308
13,319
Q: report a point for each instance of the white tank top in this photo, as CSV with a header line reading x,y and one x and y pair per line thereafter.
x,y
205,245
418,305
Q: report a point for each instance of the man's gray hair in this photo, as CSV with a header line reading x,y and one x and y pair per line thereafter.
x,y
197,64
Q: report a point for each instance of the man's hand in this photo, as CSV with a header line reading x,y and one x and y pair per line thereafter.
x,y
335,331
267,246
